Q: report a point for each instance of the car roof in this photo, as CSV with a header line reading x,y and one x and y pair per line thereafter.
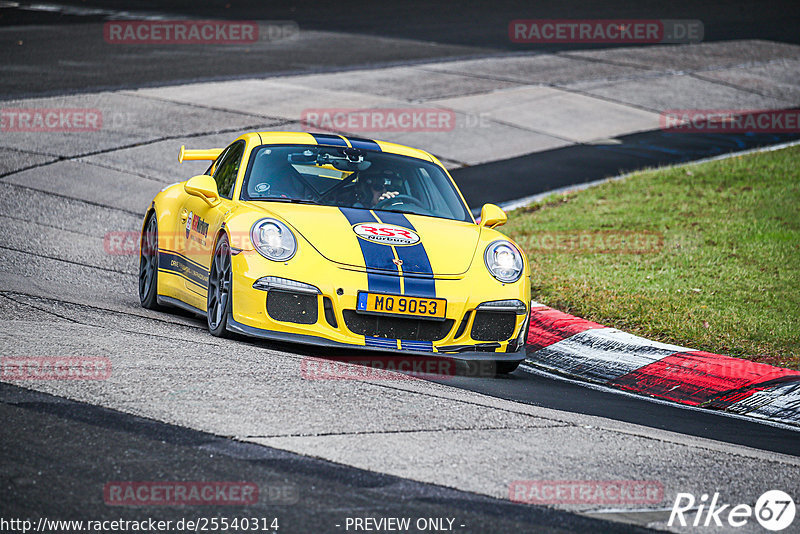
x,y
306,138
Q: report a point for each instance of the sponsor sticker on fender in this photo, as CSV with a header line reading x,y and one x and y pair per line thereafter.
x,y
386,234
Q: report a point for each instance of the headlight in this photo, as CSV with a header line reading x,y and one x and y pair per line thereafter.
x,y
273,240
504,261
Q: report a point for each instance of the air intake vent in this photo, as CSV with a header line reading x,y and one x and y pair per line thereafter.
x,y
330,316
292,307
463,325
493,326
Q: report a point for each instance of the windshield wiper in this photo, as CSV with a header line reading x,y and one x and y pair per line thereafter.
x,y
288,200
402,211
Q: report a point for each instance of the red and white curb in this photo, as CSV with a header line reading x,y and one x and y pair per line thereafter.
x,y
568,345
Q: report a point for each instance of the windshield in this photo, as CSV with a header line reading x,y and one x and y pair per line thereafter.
x,y
352,178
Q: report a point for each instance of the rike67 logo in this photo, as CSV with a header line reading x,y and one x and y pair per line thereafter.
x,y
774,510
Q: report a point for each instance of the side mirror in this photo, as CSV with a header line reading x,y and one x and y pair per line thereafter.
x,y
492,216
203,186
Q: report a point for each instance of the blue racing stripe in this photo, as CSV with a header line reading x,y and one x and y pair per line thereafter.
x,y
419,286
422,346
384,343
383,283
177,264
419,281
328,139
364,144
376,256
184,258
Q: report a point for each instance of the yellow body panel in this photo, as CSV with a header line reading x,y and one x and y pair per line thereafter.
x,y
329,256
209,154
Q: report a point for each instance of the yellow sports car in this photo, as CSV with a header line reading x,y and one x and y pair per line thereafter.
x,y
336,241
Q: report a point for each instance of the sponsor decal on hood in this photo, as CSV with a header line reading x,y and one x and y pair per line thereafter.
x,y
386,234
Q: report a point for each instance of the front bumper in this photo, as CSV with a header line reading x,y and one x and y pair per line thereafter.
x,y
306,339
338,290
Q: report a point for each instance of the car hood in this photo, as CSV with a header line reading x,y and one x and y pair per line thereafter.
x,y
363,238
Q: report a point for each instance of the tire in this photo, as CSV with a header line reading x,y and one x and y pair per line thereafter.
x,y
148,264
487,368
504,368
219,289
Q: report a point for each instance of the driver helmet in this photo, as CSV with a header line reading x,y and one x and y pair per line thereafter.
x,y
383,180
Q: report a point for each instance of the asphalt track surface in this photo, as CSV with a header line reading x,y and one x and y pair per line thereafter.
x,y
79,446
50,50
553,169
88,446
524,386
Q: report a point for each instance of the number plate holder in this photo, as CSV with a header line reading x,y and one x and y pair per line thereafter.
x,y
401,306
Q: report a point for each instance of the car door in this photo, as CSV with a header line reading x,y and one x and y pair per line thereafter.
x,y
198,223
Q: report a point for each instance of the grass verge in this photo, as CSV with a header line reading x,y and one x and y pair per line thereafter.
x,y
706,256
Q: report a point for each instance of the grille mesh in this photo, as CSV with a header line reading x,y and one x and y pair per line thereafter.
x,y
397,327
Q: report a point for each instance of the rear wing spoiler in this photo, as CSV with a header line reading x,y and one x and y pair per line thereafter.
x,y
210,154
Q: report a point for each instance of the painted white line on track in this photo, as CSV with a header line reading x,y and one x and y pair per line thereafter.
x,y
79,11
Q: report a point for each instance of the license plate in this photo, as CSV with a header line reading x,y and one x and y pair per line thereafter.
x,y
400,305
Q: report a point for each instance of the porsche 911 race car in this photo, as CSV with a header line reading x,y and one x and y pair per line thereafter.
x,y
340,242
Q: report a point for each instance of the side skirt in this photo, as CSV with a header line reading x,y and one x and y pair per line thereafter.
x,y
171,301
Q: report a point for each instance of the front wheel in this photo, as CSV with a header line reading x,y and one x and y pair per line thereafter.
x,y
219,289
504,368
487,368
148,264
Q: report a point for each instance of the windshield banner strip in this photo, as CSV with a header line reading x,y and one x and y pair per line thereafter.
x,y
415,260
363,144
327,139
376,256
